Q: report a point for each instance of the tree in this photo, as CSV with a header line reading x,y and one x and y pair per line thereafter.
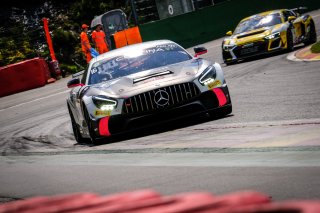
x,y
22,35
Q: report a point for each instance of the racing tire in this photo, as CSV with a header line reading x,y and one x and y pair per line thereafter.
x,y
312,35
290,45
93,139
230,63
225,61
76,131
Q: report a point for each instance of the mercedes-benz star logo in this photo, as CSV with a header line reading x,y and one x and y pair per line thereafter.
x,y
161,98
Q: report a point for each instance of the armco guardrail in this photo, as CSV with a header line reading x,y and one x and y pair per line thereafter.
x,y
213,22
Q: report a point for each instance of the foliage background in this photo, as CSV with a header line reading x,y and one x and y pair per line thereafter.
x,y
22,35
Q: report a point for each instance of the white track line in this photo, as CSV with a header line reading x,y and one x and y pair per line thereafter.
x,y
38,99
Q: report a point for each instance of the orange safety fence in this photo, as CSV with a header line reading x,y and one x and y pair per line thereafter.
x,y
133,35
120,39
127,37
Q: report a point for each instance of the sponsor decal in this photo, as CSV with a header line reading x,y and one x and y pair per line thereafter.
x,y
102,112
94,70
161,48
170,9
214,84
152,79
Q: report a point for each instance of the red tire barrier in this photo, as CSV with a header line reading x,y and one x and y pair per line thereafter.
x,y
23,76
146,201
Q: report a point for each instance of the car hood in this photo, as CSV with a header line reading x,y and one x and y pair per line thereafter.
x,y
151,79
252,35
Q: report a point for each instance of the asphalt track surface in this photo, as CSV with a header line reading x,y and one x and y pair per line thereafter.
x,y
270,143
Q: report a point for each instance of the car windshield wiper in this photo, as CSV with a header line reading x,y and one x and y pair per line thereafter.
x,y
167,72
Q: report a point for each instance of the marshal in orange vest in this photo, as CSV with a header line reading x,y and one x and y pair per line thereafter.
x,y
99,38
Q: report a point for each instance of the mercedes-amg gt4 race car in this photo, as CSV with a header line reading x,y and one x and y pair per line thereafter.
x,y
143,84
268,32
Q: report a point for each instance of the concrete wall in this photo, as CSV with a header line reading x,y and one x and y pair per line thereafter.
x,y
213,22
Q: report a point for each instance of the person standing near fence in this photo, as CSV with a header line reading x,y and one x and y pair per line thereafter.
x,y
99,39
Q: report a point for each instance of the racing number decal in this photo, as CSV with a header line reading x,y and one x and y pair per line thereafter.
x,y
214,84
102,113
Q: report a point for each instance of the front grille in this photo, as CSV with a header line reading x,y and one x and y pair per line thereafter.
x,y
246,50
160,98
275,43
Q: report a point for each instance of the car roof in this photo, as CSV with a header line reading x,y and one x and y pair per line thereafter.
x,y
263,14
122,50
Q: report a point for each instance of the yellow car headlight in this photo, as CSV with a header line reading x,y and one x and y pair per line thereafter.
x,y
273,36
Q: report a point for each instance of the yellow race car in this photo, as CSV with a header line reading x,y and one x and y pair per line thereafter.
x,y
268,32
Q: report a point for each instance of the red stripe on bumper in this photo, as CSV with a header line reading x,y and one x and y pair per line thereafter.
x,y
104,126
221,96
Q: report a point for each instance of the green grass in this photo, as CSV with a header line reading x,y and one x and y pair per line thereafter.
x,y
315,48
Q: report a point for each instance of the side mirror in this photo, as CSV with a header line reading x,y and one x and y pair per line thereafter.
x,y
291,18
74,83
199,51
229,33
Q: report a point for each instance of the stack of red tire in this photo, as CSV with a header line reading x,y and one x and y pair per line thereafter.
x,y
146,201
23,76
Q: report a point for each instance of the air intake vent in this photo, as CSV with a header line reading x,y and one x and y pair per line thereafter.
x,y
250,34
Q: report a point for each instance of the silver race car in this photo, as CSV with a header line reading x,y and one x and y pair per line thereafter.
x,y
143,84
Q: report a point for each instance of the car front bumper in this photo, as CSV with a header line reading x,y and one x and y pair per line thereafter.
x,y
205,102
254,48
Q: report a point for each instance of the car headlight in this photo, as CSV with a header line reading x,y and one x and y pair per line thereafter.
x,y
227,47
208,75
104,103
273,35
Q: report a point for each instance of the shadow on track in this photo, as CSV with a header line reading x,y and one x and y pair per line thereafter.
x,y
264,56
158,128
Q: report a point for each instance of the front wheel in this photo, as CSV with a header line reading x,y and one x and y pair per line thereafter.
x,y
93,138
224,58
75,128
312,34
230,63
290,45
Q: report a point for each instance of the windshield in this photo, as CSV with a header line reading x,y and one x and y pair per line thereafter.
x,y
137,61
257,22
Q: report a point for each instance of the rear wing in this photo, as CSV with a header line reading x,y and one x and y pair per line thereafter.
x,y
299,10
